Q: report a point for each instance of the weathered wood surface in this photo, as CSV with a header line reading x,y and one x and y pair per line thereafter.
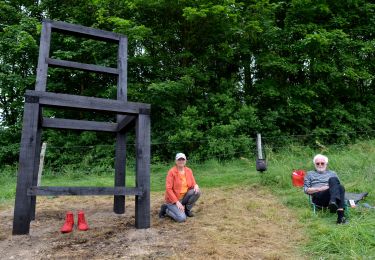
x,y
36,163
122,65
49,99
79,30
28,158
126,124
59,123
143,153
120,172
81,66
44,48
82,191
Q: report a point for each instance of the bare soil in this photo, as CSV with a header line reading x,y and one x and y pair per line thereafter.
x,y
230,223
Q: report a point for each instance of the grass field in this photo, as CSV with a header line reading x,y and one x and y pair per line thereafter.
x,y
355,165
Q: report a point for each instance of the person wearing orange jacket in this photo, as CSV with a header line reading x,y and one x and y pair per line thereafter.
x,y
181,191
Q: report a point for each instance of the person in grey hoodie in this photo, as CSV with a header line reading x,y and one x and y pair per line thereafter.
x,y
325,188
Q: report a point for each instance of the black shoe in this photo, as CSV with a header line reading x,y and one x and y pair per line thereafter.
x,y
333,207
341,220
163,211
189,213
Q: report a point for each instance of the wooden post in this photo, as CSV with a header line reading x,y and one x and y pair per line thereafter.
x,y
261,164
120,159
122,66
120,172
28,153
36,164
41,163
142,203
259,146
40,85
44,47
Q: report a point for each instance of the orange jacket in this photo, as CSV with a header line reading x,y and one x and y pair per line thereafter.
x,y
173,183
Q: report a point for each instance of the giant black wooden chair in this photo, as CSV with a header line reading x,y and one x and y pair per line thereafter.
x,y
129,116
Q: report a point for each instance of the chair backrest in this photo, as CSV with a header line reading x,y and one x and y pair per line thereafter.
x,y
45,60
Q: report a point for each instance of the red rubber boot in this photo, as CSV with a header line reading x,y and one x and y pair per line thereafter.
x,y
69,222
82,224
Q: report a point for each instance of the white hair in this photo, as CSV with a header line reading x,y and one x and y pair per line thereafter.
x,y
320,156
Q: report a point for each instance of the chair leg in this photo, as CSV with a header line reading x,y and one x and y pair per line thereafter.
x,y
313,206
346,210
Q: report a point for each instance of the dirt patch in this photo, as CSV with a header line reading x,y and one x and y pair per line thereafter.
x,y
230,223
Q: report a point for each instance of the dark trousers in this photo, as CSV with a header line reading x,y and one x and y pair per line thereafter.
x,y
335,193
188,201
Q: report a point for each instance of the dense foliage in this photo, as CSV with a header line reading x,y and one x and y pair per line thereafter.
x,y
215,72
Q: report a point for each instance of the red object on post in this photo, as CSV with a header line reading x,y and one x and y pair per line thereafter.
x,y
298,177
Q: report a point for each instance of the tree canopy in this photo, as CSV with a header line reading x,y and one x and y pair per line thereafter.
x,y
215,72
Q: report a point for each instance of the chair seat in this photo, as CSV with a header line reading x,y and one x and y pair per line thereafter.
x,y
316,207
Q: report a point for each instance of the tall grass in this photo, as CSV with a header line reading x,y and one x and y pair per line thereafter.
x,y
355,165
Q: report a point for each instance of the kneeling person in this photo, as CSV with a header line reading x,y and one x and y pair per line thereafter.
x,y
181,191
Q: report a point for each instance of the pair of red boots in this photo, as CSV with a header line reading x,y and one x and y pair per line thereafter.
x,y
69,222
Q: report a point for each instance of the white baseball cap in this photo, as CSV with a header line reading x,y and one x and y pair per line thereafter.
x,y
180,155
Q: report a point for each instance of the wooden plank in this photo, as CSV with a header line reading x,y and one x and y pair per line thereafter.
x,y
23,203
83,191
143,141
120,156
81,66
44,48
126,123
59,123
122,65
49,99
79,30
120,172
36,164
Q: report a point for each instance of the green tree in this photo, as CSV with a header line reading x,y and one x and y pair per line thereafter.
x,y
215,73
